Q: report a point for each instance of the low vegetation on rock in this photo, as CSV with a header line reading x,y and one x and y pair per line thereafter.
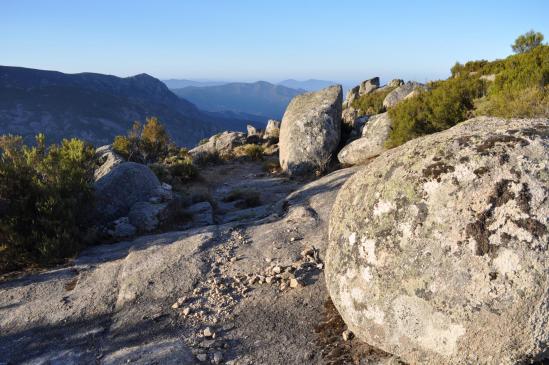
x,y
515,87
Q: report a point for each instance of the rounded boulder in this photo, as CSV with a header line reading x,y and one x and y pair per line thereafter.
x,y
439,249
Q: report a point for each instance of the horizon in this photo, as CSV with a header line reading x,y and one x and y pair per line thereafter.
x,y
244,41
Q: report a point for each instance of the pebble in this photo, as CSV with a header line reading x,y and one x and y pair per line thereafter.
x,y
202,357
294,283
208,332
347,335
186,311
277,269
217,357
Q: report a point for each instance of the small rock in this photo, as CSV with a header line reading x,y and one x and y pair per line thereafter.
x,y
277,270
217,357
208,332
269,279
233,259
202,357
186,311
294,283
207,343
347,335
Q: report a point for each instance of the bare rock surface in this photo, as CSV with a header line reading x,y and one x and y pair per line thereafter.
x,y
438,249
272,130
220,144
107,160
310,130
400,93
257,286
367,86
374,136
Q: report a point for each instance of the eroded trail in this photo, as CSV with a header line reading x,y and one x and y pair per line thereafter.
x,y
244,292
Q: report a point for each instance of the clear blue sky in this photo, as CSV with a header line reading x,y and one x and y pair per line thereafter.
x,y
260,39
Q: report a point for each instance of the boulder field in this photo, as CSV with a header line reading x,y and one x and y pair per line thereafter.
x,y
438,249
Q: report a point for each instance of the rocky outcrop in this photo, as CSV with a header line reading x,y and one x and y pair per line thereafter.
x,y
438,249
374,136
272,130
310,130
107,160
221,144
395,83
352,95
125,185
367,86
400,93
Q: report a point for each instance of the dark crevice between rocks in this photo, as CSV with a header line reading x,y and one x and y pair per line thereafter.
x,y
334,350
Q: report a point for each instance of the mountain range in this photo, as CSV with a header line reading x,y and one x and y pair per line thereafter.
x,y
96,107
256,101
309,85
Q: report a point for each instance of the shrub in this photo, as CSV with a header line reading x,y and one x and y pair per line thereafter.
x,y
253,151
146,143
527,42
47,200
443,106
520,88
372,103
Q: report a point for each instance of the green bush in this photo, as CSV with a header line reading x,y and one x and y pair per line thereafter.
x,y
146,143
46,196
445,104
372,103
527,42
520,89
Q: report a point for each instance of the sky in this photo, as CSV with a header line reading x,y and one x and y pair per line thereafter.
x,y
247,40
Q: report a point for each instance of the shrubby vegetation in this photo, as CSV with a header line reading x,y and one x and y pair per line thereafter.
x,y
252,151
520,89
527,42
46,200
151,144
444,105
372,103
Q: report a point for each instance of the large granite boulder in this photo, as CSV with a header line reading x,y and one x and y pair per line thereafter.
x,y
221,144
374,136
367,86
400,93
107,160
125,185
438,250
310,130
272,130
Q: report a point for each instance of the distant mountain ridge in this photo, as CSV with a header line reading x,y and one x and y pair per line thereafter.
x,y
181,83
309,85
96,107
261,99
